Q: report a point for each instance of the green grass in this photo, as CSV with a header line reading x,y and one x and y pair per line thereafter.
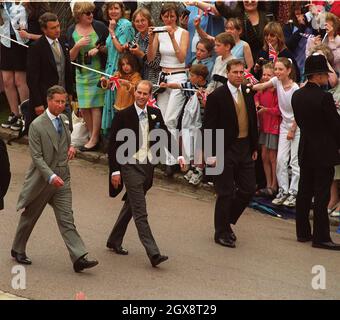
x,y
4,108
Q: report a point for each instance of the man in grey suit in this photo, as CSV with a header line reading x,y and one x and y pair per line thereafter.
x,y
48,181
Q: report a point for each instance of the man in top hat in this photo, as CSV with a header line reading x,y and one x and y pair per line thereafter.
x,y
315,114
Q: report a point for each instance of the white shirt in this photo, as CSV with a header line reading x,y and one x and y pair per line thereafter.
x,y
52,117
139,111
285,100
233,90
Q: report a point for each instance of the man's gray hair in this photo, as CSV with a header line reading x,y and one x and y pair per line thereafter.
x,y
47,17
55,90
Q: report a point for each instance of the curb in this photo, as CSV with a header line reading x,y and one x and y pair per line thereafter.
x,y
9,296
177,180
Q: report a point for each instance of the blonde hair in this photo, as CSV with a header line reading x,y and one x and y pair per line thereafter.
x,y
335,20
80,8
144,13
276,29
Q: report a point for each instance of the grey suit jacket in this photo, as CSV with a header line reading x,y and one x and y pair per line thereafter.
x,y
44,147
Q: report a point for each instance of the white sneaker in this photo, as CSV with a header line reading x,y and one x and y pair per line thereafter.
x,y
290,201
335,214
280,198
188,175
196,177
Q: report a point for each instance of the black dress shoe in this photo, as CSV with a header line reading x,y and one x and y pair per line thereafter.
x,y
82,263
118,250
330,245
170,170
157,259
304,239
94,148
20,257
226,242
231,233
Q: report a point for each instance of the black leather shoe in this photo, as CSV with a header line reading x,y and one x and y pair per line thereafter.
x,y
226,242
82,263
118,250
94,148
231,233
20,257
304,239
330,245
169,171
157,259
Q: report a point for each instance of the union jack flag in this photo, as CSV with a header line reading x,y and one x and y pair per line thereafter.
x,y
250,77
115,83
152,103
272,53
307,35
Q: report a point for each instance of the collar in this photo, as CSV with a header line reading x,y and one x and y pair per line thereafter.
x,y
50,115
139,110
50,41
232,88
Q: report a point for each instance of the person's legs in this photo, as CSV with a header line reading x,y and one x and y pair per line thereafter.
x,y
282,160
334,196
87,116
29,218
62,206
303,203
294,163
266,165
117,234
96,115
11,91
134,179
323,180
21,85
272,161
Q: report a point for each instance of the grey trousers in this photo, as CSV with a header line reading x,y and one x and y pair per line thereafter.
x,y
137,179
61,201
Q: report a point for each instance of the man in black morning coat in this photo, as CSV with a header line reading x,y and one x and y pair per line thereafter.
x,y
232,109
137,174
316,116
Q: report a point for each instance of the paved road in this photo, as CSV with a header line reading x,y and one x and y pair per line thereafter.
x,y
267,264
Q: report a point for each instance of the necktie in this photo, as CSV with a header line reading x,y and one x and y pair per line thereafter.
x,y
239,95
56,48
142,116
58,125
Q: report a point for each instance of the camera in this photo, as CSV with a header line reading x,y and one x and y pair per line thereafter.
x,y
185,13
159,29
132,44
262,62
87,58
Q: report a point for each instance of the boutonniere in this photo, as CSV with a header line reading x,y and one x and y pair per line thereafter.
x,y
247,90
67,122
153,116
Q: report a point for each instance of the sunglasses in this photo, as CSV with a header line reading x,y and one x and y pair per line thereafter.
x,y
88,13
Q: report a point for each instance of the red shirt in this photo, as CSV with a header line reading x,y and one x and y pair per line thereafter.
x,y
269,120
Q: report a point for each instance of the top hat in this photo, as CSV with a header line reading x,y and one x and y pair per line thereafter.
x,y
316,63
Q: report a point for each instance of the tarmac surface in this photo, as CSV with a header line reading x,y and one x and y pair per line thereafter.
x,y
268,263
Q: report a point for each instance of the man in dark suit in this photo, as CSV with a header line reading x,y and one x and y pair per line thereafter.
x,y
316,116
137,173
48,64
5,173
232,109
